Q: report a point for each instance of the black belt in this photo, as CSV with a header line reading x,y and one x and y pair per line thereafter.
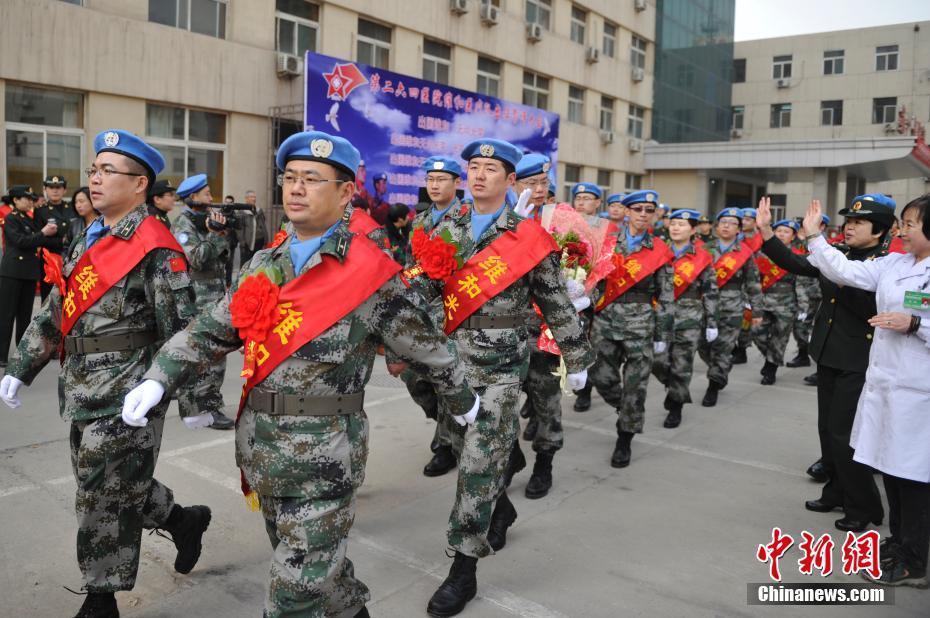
x,y
206,275
635,297
278,404
481,322
111,343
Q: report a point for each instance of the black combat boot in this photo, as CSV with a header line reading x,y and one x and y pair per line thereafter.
x,y
673,419
768,373
515,463
457,589
221,421
186,526
710,397
526,410
801,360
811,380
443,461
99,605
501,519
541,480
362,613
530,432
622,452
739,356
583,398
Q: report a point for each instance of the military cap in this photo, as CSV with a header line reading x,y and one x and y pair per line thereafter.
x,y
873,207
703,219
55,181
737,213
825,219
641,197
19,191
442,164
192,185
532,164
794,225
587,187
160,187
493,149
379,176
615,198
132,146
749,212
687,214
322,147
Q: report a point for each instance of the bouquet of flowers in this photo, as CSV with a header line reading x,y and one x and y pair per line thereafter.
x,y
586,246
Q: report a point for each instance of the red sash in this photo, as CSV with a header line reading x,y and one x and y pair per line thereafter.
x,y
688,268
632,269
769,272
106,262
838,239
493,270
896,245
729,263
753,242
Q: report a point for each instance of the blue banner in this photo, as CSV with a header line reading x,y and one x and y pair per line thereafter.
x,y
397,121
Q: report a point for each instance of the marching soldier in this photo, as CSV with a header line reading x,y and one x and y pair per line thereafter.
x,y
123,289
586,198
737,282
694,312
311,313
750,237
615,209
627,329
704,233
804,323
162,198
57,212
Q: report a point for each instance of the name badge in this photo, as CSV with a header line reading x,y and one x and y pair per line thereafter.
x,y
916,300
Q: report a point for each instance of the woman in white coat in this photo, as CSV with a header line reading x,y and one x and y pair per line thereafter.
x,y
891,432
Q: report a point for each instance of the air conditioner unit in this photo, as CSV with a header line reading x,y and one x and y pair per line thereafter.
x,y
636,144
784,82
638,74
639,5
489,14
289,66
592,55
736,133
459,7
534,33
891,127
607,137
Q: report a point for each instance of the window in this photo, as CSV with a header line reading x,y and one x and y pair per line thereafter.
x,y
192,141
884,110
538,12
489,76
632,182
833,62
575,104
572,176
298,22
604,181
44,135
201,16
496,3
535,90
638,53
831,113
634,124
579,21
437,61
606,122
781,116
738,112
610,39
781,67
77,2
374,44
739,70
886,58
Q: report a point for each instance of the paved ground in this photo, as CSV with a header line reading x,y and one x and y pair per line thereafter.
x,y
675,534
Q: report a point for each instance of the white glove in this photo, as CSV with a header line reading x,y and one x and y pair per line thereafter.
x,y
710,334
802,316
139,401
581,303
659,346
523,206
469,417
8,387
196,422
576,381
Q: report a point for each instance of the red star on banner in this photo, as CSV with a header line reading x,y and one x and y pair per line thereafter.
x,y
343,79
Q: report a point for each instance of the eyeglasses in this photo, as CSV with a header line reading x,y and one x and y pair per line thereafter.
x,y
438,180
648,210
106,172
289,179
585,198
532,184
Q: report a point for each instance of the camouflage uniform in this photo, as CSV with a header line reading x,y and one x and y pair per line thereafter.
x,y
742,286
306,469
624,332
692,312
496,363
802,328
745,335
113,463
781,303
207,254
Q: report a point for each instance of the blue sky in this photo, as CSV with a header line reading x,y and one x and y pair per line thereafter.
x,y
761,19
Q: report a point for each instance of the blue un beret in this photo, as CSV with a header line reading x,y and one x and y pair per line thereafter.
x,y
493,149
794,225
825,219
442,164
749,212
532,164
587,187
322,147
641,197
687,214
132,146
192,185
730,212
615,198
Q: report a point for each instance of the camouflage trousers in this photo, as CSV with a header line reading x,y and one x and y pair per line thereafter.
x,y
544,397
802,330
116,497
719,354
628,394
674,367
483,450
423,394
744,340
208,382
306,471
771,337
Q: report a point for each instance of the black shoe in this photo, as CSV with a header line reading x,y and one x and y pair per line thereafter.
x,y
848,524
811,380
673,419
583,398
622,451
362,613
739,356
801,360
526,410
457,589
186,526
515,463
897,573
503,517
817,472
768,373
98,605
818,506
541,480
710,397
530,432
443,461
221,421
888,551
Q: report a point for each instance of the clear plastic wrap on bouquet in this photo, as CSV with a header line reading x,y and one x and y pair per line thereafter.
x,y
586,243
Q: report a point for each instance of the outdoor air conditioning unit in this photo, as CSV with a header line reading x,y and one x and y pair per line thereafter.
x,y
784,82
736,133
639,5
534,33
607,137
489,14
891,127
592,55
636,144
288,65
459,7
638,74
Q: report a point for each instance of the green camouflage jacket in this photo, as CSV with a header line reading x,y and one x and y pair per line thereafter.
x,y
742,288
206,252
690,313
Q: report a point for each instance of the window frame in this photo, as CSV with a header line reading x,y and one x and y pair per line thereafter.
x,y
739,70
536,89
220,31
605,114
636,118
638,53
375,44
437,62
834,61
187,143
611,38
780,64
885,53
737,111
635,185
836,113
297,21
884,108
570,180
605,187
577,104
488,77
540,7
578,24
780,109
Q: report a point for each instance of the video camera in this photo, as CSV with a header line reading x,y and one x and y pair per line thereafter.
x,y
227,210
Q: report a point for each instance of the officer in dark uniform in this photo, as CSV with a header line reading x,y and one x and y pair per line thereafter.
x,y
21,266
704,231
56,211
162,198
840,343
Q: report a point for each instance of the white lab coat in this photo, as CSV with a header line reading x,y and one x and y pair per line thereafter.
x,y
891,432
